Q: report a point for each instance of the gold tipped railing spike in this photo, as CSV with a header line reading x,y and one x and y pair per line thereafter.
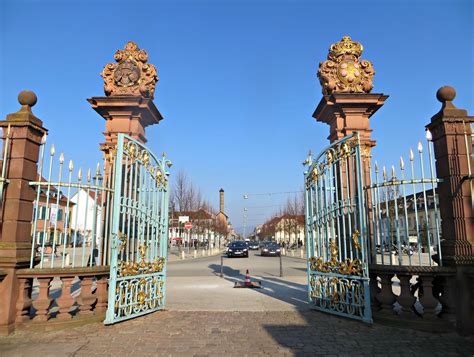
x,y
412,156
61,158
79,174
420,147
97,171
393,171
169,163
89,175
384,173
402,164
429,136
71,165
53,150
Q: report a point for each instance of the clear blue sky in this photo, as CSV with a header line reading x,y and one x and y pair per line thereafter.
x,y
238,79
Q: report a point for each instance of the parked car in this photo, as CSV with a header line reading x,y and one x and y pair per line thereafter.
x,y
253,245
237,249
270,249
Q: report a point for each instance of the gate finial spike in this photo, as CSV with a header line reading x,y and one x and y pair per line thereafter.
x,y
420,147
393,171
53,150
71,165
79,174
61,158
402,163
429,136
412,157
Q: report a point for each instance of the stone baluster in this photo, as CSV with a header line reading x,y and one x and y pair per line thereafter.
x,y
101,294
66,300
406,298
43,302
386,297
374,291
428,301
86,298
446,286
23,305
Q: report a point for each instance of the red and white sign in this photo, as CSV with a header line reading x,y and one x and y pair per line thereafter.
x,y
188,225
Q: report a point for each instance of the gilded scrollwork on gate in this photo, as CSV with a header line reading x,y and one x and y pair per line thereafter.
x,y
344,295
132,268
133,151
345,267
138,295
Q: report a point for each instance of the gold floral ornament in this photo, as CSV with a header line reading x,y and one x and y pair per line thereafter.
x,y
133,268
131,75
344,71
315,174
346,267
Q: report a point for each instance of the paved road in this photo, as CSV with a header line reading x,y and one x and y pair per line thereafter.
x,y
206,316
196,285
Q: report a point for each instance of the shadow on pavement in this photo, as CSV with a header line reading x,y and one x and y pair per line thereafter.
x,y
277,288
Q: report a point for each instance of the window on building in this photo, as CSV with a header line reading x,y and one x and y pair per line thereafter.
x,y
43,210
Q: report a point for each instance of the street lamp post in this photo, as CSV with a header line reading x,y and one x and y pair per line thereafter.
x,y
245,220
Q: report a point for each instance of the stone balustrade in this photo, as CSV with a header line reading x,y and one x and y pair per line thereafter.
x,y
415,296
55,295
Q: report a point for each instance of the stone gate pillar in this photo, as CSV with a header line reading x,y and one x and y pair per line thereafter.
x,y
128,106
129,86
26,133
347,103
451,131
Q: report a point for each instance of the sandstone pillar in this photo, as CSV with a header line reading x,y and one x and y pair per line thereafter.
x,y
127,107
451,134
26,133
348,104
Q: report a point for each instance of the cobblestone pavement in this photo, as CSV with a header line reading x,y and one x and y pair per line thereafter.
x,y
194,333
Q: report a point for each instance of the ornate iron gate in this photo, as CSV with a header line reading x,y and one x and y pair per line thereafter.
x,y
336,233
139,232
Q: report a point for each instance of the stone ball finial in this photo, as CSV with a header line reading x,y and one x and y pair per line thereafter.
x,y
27,97
446,94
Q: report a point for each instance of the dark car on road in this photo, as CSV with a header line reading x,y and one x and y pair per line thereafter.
x,y
270,249
238,249
253,245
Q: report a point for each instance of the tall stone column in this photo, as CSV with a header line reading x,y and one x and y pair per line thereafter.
x,y
348,104
127,107
26,133
451,131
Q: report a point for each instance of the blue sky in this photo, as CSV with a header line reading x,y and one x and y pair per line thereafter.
x,y
238,81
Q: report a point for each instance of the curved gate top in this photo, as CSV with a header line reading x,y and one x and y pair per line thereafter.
x,y
336,231
139,232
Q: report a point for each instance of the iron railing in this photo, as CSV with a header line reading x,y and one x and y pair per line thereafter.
x,y
70,224
403,216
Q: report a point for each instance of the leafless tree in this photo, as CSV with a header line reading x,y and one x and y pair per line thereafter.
x,y
184,195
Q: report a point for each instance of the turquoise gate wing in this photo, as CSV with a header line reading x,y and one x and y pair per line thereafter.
x,y
139,233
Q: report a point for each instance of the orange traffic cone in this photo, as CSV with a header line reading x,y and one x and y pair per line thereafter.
x,y
247,278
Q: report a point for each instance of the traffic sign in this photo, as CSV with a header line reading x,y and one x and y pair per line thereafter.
x,y
188,225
